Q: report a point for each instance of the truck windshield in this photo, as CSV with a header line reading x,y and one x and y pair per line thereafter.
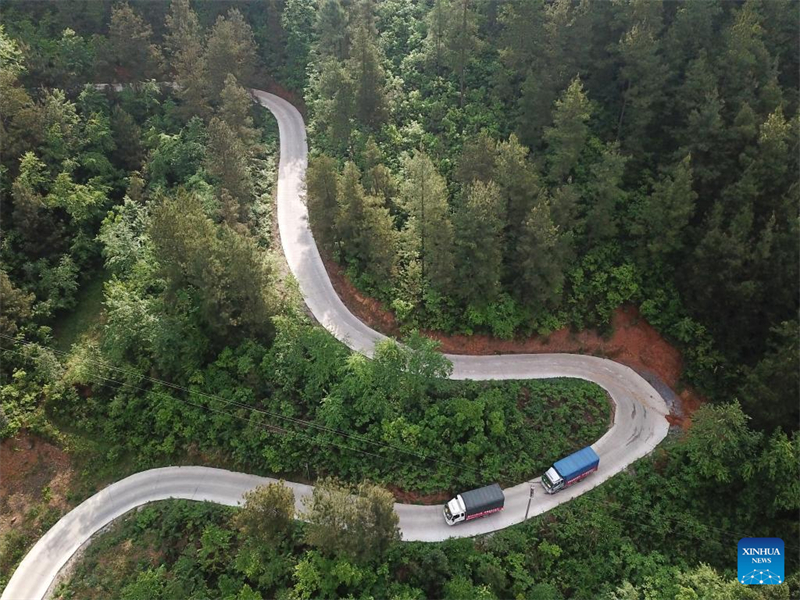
x,y
447,513
546,481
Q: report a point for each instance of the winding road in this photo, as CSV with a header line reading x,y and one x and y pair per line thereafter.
x,y
639,417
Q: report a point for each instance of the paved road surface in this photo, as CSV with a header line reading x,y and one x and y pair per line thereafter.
x,y
639,419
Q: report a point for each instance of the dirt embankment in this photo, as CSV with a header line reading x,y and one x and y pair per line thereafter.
x,y
35,479
634,342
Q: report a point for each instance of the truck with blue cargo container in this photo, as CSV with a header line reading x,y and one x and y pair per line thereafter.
x,y
474,504
571,469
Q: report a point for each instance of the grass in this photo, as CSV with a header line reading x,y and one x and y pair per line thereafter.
x,y
69,327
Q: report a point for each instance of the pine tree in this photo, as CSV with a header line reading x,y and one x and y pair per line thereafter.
x,y
183,43
522,34
351,219
477,160
378,179
131,51
20,122
231,49
564,51
222,271
379,226
334,93
322,183
771,387
724,278
438,21
702,132
271,36
452,38
479,245
41,233
462,42
603,195
520,188
183,29
773,163
61,123
568,136
332,34
564,208
128,138
364,228
368,76
235,109
424,194
662,222
542,258
228,159
748,64
298,20
642,76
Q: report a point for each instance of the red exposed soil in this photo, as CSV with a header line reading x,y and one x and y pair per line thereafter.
x,y
273,87
367,309
634,342
28,466
406,497
690,402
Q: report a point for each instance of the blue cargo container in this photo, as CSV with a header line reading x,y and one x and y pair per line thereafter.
x,y
570,470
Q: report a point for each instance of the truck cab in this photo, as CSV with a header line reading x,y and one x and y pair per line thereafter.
x,y
552,481
454,511
570,470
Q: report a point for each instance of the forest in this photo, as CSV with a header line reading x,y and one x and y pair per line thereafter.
x,y
500,167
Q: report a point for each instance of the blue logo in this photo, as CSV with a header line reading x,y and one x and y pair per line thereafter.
x,y
761,561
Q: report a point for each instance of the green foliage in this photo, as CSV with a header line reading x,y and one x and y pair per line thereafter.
x,y
568,136
130,53
367,73
184,46
364,228
610,154
600,282
222,270
664,215
775,374
479,245
16,306
666,530
720,442
430,230
331,30
403,420
297,20
268,513
322,184
357,523
231,50
609,99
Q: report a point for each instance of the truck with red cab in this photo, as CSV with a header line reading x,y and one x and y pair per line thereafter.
x,y
474,504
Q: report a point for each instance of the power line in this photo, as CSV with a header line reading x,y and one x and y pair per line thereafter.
x,y
271,427
295,420
277,429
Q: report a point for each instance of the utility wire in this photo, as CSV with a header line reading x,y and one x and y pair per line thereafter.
x,y
107,382
239,405
110,382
